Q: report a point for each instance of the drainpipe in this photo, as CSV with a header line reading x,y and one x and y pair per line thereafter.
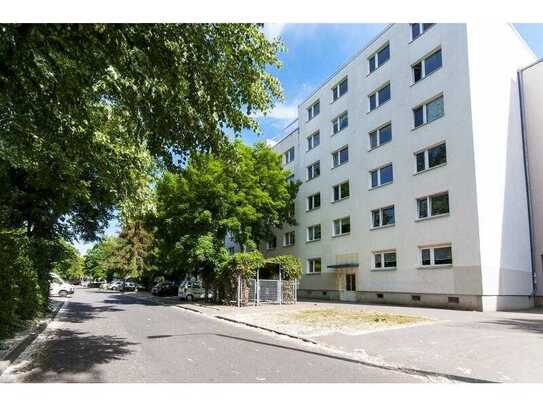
x,y
527,178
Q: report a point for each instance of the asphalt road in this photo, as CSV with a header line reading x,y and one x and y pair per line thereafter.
x,y
110,337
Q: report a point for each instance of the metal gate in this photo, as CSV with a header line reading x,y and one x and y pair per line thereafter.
x,y
259,291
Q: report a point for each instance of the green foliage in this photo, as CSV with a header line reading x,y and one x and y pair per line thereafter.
x,y
101,260
69,266
291,267
242,264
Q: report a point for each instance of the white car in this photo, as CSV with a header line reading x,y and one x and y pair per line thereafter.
x,y
193,291
59,286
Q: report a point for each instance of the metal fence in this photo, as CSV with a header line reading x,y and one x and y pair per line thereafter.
x,y
261,291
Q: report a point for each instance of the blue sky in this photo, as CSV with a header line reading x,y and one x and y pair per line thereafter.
x,y
315,51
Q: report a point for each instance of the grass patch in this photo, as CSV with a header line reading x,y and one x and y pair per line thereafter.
x,y
350,317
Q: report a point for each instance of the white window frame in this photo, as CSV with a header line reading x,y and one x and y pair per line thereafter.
x,y
373,265
340,220
311,110
338,120
429,206
341,198
422,61
336,88
426,151
312,229
421,30
338,153
424,106
312,199
311,265
377,131
374,57
311,140
312,165
289,238
432,256
378,102
380,226
379,183
290,155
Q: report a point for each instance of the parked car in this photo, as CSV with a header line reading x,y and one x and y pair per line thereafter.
x,y
165,288
117,285
59,286
193,291
129,286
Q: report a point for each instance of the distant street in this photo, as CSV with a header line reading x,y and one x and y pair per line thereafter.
x,y
115,337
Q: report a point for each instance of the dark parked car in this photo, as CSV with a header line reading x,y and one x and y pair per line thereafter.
x,y
165,288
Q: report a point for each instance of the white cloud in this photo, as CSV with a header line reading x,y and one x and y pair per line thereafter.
x,y
284,111
273,30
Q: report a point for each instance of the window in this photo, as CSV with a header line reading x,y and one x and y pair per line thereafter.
x,y
314,201
379,97
381,176
428,112
314,265
434,256
289,155
433,205
379,58
313,140
272,243
342,226
382,217
384,260
340,89
289,239
314,233
313,110
340,123
417,29
340,157
290,178
431,157
341,191
314,170
426,66
380,136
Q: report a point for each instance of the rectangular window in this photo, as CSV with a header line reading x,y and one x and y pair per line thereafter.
x,y
314,201
289,239
314,265
428,112
272,243
313,140
431,157
313,110
426,66
434,256
379,97
340,123
380,136
314,233
289,155
433,205
340,157
340,89
384,260
417,29
314,170
383,217
290,178
341,191
342,226
379,58
381,176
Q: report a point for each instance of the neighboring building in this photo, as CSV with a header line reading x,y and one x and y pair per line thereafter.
x,y
414,187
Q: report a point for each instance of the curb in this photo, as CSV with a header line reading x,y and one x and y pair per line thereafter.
x,y
12,354
266,329
189,309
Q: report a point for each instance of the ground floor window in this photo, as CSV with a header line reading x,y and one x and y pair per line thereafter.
x,y
314,265
435,256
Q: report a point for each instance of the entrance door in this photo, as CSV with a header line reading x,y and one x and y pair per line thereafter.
x,y
349,293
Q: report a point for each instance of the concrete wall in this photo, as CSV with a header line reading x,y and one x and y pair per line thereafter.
x,y
495,54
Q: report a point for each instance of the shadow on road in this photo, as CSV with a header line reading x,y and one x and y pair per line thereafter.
x,y
79,312
336,357
526,325
69,353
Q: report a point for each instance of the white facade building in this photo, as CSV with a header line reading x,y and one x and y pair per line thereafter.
x,y
413,173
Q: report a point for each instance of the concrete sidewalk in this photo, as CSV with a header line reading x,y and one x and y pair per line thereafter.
x,y
490,346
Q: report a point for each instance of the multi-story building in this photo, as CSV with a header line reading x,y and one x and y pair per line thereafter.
x,y
412,162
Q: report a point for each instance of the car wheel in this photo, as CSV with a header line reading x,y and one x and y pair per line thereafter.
x,y
63,293
189,297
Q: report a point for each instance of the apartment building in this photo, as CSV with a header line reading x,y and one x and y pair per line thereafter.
x,y
414,183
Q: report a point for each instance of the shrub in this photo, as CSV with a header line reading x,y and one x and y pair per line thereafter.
x,y
290,265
